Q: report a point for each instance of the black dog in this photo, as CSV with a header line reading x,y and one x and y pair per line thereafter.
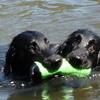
x,y
81,48
25,48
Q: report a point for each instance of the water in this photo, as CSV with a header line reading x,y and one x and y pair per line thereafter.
x,y
56,19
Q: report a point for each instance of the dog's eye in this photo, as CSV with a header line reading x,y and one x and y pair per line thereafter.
x,y
33,46
92,49
92,42
91,46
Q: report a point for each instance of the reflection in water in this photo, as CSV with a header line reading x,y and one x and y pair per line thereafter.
x,y
90,93
63,93
67,94
45,94
58,91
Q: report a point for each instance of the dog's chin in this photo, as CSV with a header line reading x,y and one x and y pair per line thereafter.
x,y
86,65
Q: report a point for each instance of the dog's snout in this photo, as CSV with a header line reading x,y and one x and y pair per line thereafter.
x,y
75,61
53,59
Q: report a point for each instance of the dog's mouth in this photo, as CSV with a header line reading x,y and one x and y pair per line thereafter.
x,y
79,63
74,61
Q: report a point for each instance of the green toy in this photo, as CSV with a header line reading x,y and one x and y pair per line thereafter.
x,y
65,69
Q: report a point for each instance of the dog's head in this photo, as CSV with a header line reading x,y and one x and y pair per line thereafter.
x,y
81,48
25,48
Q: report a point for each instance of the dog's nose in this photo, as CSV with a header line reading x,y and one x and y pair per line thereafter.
x,y
75,61
54,61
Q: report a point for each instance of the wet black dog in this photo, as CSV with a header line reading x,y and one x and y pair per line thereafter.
x,y
81,48
25,48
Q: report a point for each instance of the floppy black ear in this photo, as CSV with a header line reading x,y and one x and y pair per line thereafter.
x,y
65,48
69,44
97,68
8,60
98,59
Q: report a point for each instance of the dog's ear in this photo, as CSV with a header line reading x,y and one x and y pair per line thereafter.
x,y
97,68
9,57
69,44
98,61
64,48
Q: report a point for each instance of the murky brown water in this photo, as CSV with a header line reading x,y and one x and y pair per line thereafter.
x,y
56,19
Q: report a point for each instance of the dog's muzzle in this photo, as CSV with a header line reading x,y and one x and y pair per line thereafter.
x,y
79,59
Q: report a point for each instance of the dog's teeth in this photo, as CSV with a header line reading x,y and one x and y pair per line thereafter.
x,y
78,57
12,82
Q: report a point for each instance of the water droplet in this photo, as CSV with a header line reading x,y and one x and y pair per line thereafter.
x,y
22,84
